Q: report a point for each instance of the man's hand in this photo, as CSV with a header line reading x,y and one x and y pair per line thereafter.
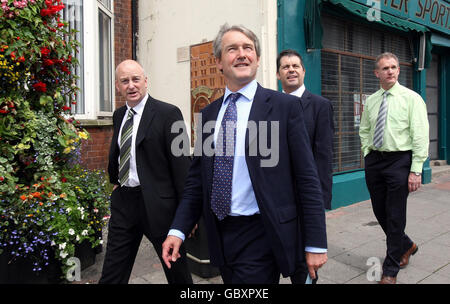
x,y
414,182
314,261
115,187
170,249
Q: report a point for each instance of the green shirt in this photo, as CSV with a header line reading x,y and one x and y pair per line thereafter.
x,y
406,124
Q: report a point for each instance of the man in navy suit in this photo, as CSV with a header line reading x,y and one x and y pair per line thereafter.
x,y
274,215
318,113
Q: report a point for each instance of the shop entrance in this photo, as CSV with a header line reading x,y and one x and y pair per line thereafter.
x,y
432,101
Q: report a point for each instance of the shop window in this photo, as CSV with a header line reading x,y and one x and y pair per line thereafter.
x,y
348,58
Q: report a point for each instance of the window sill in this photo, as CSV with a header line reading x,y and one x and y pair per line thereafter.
x,y
105,122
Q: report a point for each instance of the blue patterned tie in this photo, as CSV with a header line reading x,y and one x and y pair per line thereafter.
x,y
223,161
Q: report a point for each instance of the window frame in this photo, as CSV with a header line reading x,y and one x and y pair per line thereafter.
x,y
341,166
92,75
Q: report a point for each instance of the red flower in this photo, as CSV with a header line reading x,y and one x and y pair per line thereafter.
x,y
48,62
21,59
45,51
2,178
40,87
66,108
64,179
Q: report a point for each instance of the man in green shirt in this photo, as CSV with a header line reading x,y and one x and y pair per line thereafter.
x,y
394,140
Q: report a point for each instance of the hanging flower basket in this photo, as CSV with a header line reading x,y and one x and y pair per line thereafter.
x,y
49,204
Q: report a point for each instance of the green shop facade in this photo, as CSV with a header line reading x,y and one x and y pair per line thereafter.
x,y
339,41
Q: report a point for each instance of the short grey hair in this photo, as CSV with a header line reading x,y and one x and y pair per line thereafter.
x,y
217,44
386,55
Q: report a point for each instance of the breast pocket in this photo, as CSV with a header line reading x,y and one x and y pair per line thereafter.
x,y
398,116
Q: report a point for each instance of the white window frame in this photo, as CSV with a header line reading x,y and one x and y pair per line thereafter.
x,y
91,60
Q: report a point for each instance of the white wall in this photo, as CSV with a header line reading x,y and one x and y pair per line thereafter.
x,y
166,25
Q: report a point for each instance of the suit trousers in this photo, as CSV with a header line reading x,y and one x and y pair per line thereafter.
x,y
247,252
387,180
127,225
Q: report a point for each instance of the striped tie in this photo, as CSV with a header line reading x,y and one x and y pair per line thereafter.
x,y
381,122
223,161
125,148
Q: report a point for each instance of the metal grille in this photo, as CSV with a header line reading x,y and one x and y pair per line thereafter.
x,y
348,58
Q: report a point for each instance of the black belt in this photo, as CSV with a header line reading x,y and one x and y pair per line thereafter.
x,y
387,153
131,189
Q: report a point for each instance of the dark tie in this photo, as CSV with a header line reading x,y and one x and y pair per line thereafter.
x,y
223,161
125,148
381,122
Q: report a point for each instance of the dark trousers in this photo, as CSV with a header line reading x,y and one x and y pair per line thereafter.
x,y
127,225
387,180
248,254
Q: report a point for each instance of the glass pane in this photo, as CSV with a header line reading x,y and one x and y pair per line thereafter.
x,y
106,3
105,70
73,14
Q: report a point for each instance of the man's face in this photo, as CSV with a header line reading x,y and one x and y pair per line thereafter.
x,y
131,82
291,73
387,72
238,61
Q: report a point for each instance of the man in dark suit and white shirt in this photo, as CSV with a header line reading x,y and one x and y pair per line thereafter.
x,y
148,178
256,226
318,114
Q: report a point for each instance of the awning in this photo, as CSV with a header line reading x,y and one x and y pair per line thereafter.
x,y
440,40
313,28
314,31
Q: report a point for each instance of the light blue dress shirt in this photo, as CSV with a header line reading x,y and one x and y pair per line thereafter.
x,y
243,200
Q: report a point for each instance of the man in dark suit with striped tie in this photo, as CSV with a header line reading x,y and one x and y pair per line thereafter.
x,y
148,178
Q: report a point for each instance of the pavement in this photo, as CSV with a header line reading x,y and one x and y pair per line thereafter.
x,y
356,243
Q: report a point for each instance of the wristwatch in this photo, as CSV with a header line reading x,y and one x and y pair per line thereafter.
x,y
417,173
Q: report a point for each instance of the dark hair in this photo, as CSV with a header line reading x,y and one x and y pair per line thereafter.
x,y
288,52
217,44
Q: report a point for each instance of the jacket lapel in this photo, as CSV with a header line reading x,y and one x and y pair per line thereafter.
x,y
146,119
209,161
120,114
306,99
261,107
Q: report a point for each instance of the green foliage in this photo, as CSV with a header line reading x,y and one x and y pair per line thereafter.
x,y
47,201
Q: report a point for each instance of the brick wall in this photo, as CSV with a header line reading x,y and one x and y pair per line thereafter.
x,y
95,152
123,36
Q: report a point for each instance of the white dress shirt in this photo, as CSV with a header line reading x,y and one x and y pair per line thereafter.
x,y
133,179
299,92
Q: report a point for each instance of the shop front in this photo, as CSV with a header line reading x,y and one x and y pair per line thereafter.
x,y
339,41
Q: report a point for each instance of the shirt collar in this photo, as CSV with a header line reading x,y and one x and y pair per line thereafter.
x,y
247,91
299,92
139,108
392,90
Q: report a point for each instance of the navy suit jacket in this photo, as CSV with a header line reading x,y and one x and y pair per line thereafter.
x,y
290,223
319,124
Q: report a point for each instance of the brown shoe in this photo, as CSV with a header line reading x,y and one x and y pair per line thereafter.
x,y
405,258
388,280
